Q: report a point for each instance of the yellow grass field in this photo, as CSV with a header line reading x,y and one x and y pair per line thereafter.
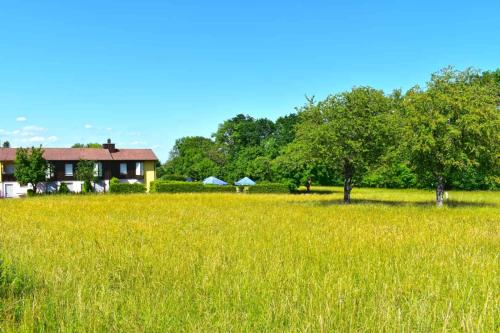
x,y
226,262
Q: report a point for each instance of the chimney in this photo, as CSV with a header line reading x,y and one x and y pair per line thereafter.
x,y
109,146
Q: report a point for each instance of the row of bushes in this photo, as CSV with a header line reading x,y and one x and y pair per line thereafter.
x,y
269,188
115,186
161,186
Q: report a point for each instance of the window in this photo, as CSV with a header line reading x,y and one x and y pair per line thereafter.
x,y
8,169
123,169
139,169
98,169
49,173
68,170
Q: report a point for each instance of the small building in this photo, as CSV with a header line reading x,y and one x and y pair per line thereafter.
x,y
128,165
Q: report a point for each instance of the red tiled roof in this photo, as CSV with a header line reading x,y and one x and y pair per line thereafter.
x,y
7,154
75,154
91,154
134,155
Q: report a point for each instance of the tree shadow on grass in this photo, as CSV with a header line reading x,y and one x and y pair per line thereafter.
x,y
396,203
301,191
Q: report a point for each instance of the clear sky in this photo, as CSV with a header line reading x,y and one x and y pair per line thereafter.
x,y
147,72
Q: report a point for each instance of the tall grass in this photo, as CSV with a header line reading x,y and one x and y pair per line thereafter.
x,y
227,262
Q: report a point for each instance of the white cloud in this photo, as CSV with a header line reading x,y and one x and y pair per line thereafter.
x,y
35,138
21,119
29,135
87,126
109,129
137,143
29,130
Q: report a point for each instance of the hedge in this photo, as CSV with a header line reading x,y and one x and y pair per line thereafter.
x,y
160,186
173,178
127,188
269,188
188,187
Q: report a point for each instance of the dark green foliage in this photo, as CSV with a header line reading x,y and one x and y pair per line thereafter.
x,y
240,132
242,146
390,176
63,189
194,157
195,187
160,186
177,178
269,188
474,178
118,187
6,144
249,162
30,193
284,132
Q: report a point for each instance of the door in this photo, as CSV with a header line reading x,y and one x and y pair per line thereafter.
x,y
9,190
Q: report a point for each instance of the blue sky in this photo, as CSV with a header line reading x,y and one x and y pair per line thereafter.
x,y
147,72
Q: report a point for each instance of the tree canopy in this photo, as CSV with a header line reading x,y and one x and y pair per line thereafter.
x,y
30,167
346,131
86,145
452,126
443,136
86,172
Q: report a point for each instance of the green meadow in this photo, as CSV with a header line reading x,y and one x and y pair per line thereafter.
x,y
389,262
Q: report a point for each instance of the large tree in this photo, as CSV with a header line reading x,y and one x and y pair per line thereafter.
x,y
346,131
30,167
453,125
6,144
240,132
196,157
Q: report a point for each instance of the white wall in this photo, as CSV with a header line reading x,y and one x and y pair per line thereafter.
x,y
74,186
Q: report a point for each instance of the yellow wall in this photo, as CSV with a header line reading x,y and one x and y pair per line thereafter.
x,y
149,173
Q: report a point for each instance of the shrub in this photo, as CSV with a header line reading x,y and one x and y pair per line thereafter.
x,y
87,187
63,189
396,175
161,186
269,188
30,193
176,178
119,187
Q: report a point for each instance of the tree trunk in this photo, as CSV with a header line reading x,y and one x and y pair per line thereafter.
x,y
348,170
347,190
440,192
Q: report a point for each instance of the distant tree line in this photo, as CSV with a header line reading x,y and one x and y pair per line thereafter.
x,y
86,145
444,136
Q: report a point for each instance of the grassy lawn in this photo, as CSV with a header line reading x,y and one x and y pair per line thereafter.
x,y
226,262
